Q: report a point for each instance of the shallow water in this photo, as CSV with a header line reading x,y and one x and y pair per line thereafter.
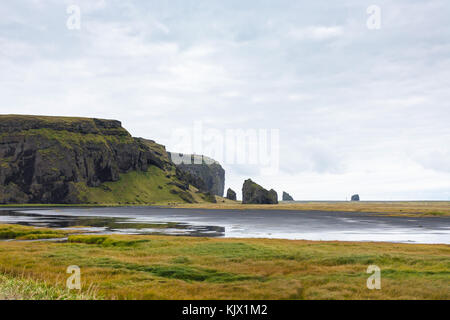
x,y
308,225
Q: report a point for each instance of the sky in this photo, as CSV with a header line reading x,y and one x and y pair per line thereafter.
x,y
356,109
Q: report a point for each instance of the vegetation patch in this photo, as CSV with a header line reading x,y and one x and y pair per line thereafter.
x,y
20,288
135,188
29,233
105,241
185,273
234,250
181,260
165,267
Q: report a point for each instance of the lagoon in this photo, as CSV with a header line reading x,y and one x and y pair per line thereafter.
x,y
280,224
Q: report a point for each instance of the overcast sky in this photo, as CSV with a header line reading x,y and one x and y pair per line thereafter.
x,y
358,110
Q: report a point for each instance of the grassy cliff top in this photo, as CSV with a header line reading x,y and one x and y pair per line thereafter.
x,y
32,116
16,123
51,119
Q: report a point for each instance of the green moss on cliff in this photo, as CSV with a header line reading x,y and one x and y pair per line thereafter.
x,y
135,187
69,139
17,123
46,119
156,147
4,162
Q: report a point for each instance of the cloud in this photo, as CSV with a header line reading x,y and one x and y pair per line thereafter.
x,y
435,159
162,27
316,32
357,110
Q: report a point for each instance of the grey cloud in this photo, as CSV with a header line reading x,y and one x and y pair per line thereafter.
x,y
347,100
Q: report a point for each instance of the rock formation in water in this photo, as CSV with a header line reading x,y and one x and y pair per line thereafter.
x,y
231,195
355,197
202,172
82,160
287,197
253,193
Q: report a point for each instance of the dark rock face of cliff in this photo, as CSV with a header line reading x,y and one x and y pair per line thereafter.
x,y
355,197
45,159
231,195
253,193
287,197
202,172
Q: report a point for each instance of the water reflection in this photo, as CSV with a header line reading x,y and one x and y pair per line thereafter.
x,y
295,225
109,225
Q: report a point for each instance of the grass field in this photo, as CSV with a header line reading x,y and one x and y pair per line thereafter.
x,y
163,267
396,208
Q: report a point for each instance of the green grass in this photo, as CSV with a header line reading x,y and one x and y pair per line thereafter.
x,y
71,140
177,272
104,241
19,288
163,267
29,233
49,119
437,214
60,122
135,187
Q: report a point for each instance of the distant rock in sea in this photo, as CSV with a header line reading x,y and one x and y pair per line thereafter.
x,y
355,197
287,197
253,193
231,195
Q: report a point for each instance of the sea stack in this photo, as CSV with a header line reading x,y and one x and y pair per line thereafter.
x,y
355,197
287,197
253,193
231,195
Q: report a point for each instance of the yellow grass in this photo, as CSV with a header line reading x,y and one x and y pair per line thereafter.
x,y
164,267
411,208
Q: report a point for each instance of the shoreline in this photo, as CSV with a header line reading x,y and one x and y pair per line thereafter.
x,y
27,234
389,208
